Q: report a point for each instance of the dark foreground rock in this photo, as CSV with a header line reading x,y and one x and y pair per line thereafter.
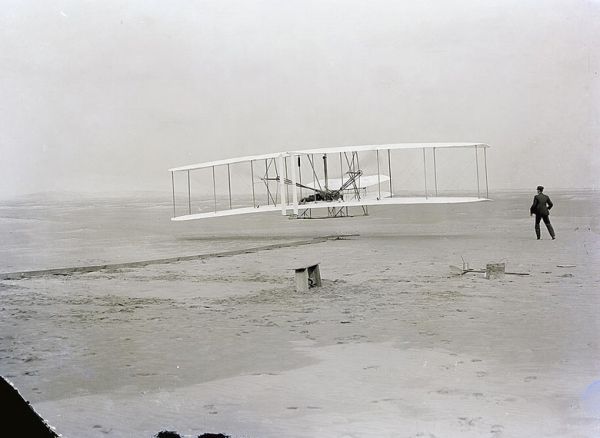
x,y
19,417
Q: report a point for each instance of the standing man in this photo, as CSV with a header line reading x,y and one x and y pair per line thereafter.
x,y
541,208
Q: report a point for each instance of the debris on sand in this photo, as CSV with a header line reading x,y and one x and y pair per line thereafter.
x,y
213,435
167,434
495,270
172,434
456,270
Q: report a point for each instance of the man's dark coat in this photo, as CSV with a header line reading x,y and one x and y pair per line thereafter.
x,y
541,205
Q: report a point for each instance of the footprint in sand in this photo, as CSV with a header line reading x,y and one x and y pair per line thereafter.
x,y
446,391
102,429
428,333
469,422
383,400
211,409
144,374
371,367
496,430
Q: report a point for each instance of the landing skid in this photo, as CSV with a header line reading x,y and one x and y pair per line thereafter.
x,y
331,213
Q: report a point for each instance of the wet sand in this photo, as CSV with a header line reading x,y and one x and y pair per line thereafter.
x,y
392,345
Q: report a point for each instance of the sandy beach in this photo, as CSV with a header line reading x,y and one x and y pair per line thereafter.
x,y
392,344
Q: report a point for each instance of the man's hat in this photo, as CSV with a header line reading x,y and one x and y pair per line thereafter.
x,y
540,188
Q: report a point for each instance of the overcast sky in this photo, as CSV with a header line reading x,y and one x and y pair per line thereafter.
x,y
107,95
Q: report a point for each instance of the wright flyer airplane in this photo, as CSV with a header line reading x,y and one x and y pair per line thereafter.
x,y
332,182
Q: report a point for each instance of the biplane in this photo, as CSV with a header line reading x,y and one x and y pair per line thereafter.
x,y
339,181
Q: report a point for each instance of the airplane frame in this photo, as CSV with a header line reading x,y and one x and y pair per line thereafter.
x,y
284,171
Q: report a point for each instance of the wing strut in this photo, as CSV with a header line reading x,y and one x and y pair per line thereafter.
x,y
378,174
341,169
229,185
252,181
266,180
294,184
435,173
282,187
173,185
287,192
390,171
325,172
351,172
425,172
189,193
214,188
487,192
477,167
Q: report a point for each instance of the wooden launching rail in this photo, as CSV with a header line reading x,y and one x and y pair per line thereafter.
x,y
95,268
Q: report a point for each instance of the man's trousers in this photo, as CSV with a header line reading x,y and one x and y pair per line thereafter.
x,y
546,219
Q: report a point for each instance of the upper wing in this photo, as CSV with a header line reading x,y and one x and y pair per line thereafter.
x,y
383,147
334,150
228,161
